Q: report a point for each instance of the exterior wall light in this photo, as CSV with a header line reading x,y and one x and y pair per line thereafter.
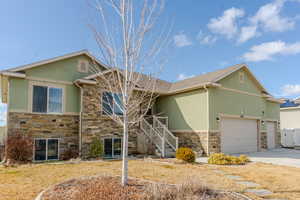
x,y
263,122
218,119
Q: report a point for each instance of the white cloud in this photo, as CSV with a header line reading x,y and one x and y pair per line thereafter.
x,y
181,40
183,76
206,39
209,39
247,32
289,90
266,51
269,17
226,24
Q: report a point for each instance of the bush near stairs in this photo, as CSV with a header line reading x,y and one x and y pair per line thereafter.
x,y
185,154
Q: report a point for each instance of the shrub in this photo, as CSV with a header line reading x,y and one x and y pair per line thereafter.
x,y
96,149
69,154
222,159
19,148
185,154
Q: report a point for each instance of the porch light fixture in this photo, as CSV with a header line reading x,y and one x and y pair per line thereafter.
x,y
218,119
263,122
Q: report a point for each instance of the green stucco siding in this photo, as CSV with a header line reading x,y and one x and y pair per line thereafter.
x,y
18,94
272,110
233,81
72,99
251,103
63,70
233,103
186,111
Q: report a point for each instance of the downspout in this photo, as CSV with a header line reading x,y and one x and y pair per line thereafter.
x,y
80,119
207,149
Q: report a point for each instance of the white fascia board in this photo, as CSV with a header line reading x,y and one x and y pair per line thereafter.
x,y
13,74
47,61
86,81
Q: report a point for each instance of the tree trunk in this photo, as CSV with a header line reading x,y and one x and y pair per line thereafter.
x,y
125,152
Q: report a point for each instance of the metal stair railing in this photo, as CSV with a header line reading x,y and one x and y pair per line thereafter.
x,y
165,133
154,136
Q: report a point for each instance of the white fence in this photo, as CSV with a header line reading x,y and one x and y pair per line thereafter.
x,y
290,137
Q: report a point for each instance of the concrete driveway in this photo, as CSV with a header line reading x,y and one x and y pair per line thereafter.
x,y
282,156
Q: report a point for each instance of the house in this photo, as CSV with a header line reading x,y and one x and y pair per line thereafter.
x,y
59,103
290,114
290,123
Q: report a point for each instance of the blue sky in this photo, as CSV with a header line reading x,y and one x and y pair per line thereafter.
x,y
207,35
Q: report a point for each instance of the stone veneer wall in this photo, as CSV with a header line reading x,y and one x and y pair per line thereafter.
x,y
278,138
214,142
63,127
263,140
194,140
99,126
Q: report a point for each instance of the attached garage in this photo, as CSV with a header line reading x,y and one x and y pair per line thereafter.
x,y
239,135
271,132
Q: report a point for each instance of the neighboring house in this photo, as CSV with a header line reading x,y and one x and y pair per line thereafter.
x,y
290,114
60,104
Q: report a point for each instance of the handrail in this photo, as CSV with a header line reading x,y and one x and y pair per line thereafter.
x,y
166,132
150,134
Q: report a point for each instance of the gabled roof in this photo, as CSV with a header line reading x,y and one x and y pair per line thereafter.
x,y
214,77
164,87
47,61
209,79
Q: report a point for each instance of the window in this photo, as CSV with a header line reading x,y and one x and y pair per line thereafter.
x,y
45,149
47,99
83,66
112,103
112,147
241,77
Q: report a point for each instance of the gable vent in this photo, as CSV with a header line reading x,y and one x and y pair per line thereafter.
x,y
83,66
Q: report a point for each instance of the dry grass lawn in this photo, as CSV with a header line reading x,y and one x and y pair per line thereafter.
x,y
26,181
281,180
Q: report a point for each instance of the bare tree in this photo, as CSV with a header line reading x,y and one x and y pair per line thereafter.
x,y
131,42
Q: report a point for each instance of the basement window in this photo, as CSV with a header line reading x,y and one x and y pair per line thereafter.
x,y
46,149
112,147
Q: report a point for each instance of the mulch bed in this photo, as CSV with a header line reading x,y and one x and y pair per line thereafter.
x,y
109,188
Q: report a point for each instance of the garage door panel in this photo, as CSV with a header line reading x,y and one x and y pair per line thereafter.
x,y
238,135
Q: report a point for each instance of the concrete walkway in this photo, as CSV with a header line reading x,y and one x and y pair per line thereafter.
x,y
282,156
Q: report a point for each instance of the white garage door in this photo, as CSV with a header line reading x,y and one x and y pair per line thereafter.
x,y
238,135
271,128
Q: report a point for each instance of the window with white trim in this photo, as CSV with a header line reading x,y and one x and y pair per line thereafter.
x,y
112,103
47,99
46,149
